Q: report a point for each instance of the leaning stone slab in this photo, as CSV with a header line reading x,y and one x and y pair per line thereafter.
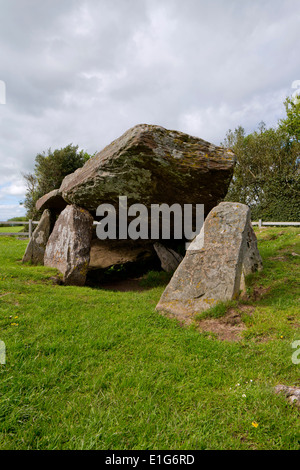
x,y
37,244
53,201
169,258
215,263
68,247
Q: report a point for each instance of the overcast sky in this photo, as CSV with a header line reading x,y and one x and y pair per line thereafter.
x,y
83,72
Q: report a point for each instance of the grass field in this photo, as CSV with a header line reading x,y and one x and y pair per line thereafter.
x,y
13,229
98,369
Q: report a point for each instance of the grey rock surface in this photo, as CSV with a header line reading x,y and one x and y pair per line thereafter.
x,y
215,263
68,247
52,200
169,259
35,250
152,165
106,253
291,393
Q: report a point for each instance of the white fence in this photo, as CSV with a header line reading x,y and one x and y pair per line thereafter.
x,y
30,224
260,223
11,223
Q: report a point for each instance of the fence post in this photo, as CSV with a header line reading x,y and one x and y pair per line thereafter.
x,y
259,223
30,228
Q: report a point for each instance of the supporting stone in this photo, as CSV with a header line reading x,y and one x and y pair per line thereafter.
x,y
37,244
68,247
215,263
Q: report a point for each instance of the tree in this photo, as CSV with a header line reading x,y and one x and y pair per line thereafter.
x,y
32,195
49,171
266,177
291,124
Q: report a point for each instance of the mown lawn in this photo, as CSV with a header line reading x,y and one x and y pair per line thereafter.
x,y
98,369
13,229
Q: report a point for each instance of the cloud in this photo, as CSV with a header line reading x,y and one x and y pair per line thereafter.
x,y
9,211
84,72
13,189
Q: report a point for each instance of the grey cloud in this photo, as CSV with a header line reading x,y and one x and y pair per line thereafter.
x,y
83,72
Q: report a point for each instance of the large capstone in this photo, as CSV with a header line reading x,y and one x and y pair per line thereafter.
x,y
215,264
68,247
152,165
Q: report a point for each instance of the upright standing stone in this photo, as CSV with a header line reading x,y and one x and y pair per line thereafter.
x,y
215,263
37,244
68,247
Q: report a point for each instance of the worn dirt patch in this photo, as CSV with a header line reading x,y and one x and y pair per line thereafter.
x,y
248,309
257,293
279,258
284,256
270,236
230,326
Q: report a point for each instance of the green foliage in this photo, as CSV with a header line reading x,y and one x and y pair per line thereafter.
x,y
50,169
267,173
14,219
17,219
291,124
282,200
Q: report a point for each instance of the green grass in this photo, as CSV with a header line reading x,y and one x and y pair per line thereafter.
x,y
97,369
13,229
